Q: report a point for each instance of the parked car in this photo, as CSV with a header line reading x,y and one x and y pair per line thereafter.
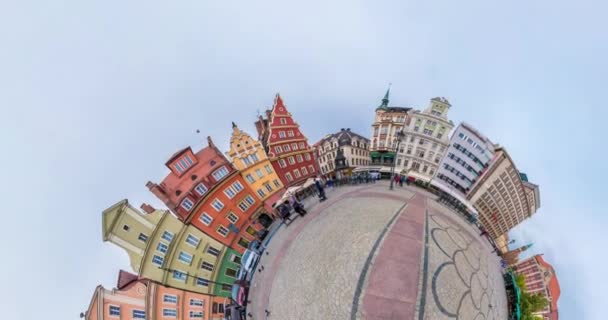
x,y
234,312
241,274
249,260
262,234
239,293
256,245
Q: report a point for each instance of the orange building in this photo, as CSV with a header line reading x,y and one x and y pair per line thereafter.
x,y
204,189
135,298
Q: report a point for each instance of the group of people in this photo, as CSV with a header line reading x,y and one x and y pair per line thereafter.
x,y
400,179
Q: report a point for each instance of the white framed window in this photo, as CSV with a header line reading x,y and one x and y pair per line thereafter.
x,y
299,158
278,149
276,183
230,192
167,236
114,311
202,282
291,160
249,199
157,260
254,157
246,161
232,217
268,168
289,177
201,189
283,121
207,266
281,134
311,168
290,133
222,231
172,313
187,204
213,251
162,247
268,187
205,219
139,314
250,178
169,298
220,173
179,275
217,205
243,206
301,145
192,240
185,257
282,163
197,302
259,173
294,146
236,259
142,237
304,171
286,148
307,156
237,186
297,173
261,193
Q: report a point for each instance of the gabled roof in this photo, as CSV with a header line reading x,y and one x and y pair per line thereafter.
x,y
125,278
344,135
177,154
553,286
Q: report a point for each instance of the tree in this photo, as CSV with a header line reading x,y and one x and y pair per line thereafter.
x,y
531,303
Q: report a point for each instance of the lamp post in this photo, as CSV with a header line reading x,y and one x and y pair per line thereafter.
x,y
398,137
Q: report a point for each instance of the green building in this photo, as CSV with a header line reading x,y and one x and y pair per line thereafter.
x,y
226,274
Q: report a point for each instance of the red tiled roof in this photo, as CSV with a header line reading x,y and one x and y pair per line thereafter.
x,y
553,287
125,278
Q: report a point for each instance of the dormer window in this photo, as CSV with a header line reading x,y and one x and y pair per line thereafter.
x,y
183,164
220,173
201,189
187,204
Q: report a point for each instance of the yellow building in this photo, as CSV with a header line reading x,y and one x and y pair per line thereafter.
x,y
248,156
162,248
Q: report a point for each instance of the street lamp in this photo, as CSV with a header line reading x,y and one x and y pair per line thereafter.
x,y
398,137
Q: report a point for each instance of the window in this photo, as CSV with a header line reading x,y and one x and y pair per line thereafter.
x,y
291,160
304,171
142,237
202,282
276,183
428,132
167,236
237,186
230,192
278,149
179,275
288,176
232,217
222,230
301,144
311,168
162,247
425,168
243,243
416,129
169,313
220,173
281,134
217,205
307,156
192,240
205,219
439,135
294,146
213,251
282,163
157,260
114,311
261,193
259,173
139,314
268,187
185,257
250,178
126,228
231,272
201,189
207,266
250,230
254,157
246,161
249,200
283,121
290,133
286,148
299,157
187,204
196,314
268,168
197,302
167,298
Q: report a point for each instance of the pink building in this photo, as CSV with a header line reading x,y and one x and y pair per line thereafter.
x,y
541,279
135,298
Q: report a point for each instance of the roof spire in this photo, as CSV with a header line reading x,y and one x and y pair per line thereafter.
x,y
233,125
384,104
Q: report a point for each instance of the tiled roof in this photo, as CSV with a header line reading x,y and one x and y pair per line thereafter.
x,y
553,286
341,135
125,278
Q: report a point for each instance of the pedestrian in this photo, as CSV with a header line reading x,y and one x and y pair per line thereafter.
x,y
320,190
401,181
284,213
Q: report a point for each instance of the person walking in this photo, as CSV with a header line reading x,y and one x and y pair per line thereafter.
x,y
401,181
320,189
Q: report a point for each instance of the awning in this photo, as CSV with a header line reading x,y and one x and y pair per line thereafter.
x,y
454,193
418,176
308,183
385,169
276,197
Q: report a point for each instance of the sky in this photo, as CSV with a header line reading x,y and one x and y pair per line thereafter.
x,y
96,95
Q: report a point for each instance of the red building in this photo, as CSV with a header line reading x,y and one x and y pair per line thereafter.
x,y
204,189
286,146
541,279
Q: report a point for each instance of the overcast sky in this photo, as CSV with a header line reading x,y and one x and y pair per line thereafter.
x,y
96,95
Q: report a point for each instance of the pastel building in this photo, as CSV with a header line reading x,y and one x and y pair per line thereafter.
x,y
286,146
541,279
388,121
163,249
135,298
248,157
353,147
205,190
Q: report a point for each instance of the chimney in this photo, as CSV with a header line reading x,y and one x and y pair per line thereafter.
x,y
347,129
342,129
147,208
159,192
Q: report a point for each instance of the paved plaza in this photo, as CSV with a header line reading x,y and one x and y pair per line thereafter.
x,y
371,253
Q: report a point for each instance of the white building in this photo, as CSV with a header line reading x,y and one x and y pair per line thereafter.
x,y
354,147
425,141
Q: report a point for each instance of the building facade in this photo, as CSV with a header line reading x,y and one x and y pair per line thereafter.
x,y
163,249
249,157
205,190
290,154
502,195
135,298
387,123
425,141
230,264
353,147
468,156
541,279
